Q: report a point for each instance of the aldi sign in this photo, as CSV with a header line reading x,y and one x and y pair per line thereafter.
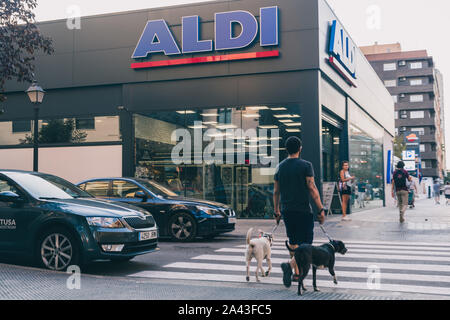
x,y
158,38
342,51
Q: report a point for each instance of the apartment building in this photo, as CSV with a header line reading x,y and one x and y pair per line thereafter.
x,y
417,89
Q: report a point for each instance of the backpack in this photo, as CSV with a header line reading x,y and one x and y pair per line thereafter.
x,y
400,179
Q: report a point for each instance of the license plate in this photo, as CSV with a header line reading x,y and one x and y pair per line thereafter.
x,y
232,220
147,235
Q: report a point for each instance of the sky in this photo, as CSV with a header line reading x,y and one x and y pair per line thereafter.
x,y
416,24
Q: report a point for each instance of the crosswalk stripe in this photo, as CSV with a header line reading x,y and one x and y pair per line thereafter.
x,y
340,263
365,255
277,270
373,242
348,246
271,280
369,250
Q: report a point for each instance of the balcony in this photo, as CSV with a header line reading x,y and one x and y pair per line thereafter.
x,y
428,138
426,122
407,89
432,155
430,172
406,105
407,72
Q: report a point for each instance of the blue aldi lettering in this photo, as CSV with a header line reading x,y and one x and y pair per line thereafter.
x,y
157,37
342,48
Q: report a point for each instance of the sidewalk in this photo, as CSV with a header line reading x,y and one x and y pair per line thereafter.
x,y
427,222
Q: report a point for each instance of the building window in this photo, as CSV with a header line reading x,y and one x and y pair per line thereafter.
x,y
396,115
416,82
424,164
417,114
389,67
85,123
21,126
390,83
396,131
416,65
224,170
419,131
416,98
422,148
395,98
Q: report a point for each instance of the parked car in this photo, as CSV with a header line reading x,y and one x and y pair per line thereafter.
x,y
61,225
182,219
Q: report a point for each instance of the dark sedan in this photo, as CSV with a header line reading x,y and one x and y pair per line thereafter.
x,y
180,218
61,225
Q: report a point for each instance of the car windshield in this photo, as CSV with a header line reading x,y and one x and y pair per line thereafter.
x,y
157,188
47,187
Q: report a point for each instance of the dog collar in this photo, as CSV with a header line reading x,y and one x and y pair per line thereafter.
x,y
334,249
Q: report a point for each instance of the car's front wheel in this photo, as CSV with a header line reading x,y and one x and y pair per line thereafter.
x,y
57,250
182,227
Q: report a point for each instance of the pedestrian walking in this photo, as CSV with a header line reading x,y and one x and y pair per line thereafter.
x,y
413,191
345,187
294,183
361,193
400,189
437,192
447,193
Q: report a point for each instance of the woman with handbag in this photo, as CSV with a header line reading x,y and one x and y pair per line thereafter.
x,y
345,187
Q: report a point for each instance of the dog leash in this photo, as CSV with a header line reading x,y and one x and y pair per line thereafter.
x,y
276,227
329,238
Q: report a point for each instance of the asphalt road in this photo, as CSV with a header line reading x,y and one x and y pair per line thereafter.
x,y
386,259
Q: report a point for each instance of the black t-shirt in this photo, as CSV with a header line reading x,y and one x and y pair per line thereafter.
x,y
291,175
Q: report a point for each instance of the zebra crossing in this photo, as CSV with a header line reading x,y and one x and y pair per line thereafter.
x,y
409,267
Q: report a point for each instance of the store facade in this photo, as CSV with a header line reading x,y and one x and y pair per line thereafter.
x,y
201,98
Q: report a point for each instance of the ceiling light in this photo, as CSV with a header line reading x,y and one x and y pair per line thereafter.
x,y
268,127
258,108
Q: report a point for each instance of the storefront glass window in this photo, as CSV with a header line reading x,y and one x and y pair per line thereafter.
x,y
62,131
366,160
229,155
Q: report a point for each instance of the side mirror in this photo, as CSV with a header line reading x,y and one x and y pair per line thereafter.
x,y
141,195
9,196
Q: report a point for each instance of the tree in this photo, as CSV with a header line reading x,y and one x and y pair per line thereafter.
x,y
58,131
20,39
399,146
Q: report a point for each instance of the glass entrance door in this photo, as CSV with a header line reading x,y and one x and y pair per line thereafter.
x,y
330,151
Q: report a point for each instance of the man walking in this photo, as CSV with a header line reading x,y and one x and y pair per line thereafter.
x,y
294,182
437,192
400,188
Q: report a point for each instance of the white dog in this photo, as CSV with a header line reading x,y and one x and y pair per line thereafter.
x,y
260,249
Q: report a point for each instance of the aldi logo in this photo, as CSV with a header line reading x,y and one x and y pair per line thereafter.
x,y
157,38
342,51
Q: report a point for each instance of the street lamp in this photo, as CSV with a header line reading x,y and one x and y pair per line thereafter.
x,y
36,95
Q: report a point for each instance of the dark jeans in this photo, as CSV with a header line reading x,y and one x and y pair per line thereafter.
x,y
299,227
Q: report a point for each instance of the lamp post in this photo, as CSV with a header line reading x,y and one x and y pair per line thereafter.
x,y
36,95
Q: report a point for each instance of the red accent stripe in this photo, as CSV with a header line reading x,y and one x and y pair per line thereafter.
x,y
229,57
332,61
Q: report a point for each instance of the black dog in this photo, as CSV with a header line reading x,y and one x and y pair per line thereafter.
x,y
321,257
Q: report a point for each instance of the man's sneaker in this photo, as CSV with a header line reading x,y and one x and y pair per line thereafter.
x,y
287,274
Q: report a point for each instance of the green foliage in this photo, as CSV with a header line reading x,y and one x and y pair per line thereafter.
x,y
58,131
20,41
399,146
